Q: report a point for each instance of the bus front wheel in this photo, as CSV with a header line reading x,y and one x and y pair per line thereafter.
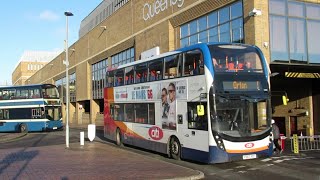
x,y
23,128
118,137
175,148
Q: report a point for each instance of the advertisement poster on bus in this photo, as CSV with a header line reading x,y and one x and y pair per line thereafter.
x,y
138,93
170,92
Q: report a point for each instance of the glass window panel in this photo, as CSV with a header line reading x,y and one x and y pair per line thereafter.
x,y
193,27
118,112
155,70
194,39
124,55
236,10
129,112
151,114
184,42
313,11
184,31
132,52
277,7
213,19
141,72
120,57
225,33
141,111
128,54
224,15
236,30
203,37
237,23
112,61
278,39
202,23
172,66
313,43
119,75
193,63
116,59
110,80
296,9
297,39
213,35
129,76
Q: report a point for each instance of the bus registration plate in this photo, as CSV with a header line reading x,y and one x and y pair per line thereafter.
x,y
249,156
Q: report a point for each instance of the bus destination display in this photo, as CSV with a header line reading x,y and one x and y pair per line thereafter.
x,y
241,85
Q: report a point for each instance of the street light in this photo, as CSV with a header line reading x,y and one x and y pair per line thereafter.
x,y
66,62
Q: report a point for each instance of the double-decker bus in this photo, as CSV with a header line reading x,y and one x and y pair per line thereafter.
x,y
30,108
208,102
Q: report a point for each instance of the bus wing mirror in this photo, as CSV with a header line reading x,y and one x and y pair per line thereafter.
x,y
200,110
285,100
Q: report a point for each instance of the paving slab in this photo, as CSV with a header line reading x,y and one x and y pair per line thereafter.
x,y
94,160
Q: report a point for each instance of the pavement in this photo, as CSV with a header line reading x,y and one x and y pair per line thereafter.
x,y
99,159
7,137
95,160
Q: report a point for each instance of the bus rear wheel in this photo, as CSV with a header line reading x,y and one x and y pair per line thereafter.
x,y
23,128
118,137
175,148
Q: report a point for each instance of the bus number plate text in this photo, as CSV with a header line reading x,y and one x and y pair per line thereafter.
x,y
249,156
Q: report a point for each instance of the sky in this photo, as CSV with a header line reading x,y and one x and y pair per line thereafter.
x,y
37,25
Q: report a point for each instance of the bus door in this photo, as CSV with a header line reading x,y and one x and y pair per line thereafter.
x,y
194,131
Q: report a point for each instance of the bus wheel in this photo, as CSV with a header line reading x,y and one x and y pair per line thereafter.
x,y
175,148
23,128
118,137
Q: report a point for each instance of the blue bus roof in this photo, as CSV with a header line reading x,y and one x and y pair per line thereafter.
x,y
26,86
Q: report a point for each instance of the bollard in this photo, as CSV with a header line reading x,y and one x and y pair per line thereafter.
x,y
91,132
82,138
283,141
295,144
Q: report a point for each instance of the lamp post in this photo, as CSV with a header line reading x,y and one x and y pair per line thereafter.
x,y
66,62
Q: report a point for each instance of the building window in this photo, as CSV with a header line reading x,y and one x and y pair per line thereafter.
x,y
223,25
61,85
72,87
99,78
123,57
294,30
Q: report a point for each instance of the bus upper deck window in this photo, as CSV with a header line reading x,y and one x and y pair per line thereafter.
x,y
153,75
119,81
129,75
110,82
193,63
173,66
155,70
139,78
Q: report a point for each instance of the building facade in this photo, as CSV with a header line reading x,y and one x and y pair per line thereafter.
x,y
29,63
285,30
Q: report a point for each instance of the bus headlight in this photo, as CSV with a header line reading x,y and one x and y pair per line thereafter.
x,y
219,142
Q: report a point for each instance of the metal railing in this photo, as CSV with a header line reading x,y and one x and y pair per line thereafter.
x,y
307,143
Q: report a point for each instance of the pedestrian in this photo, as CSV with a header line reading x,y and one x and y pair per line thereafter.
x,y
276,136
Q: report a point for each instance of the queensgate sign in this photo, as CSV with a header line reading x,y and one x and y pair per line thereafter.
x,y
152,9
